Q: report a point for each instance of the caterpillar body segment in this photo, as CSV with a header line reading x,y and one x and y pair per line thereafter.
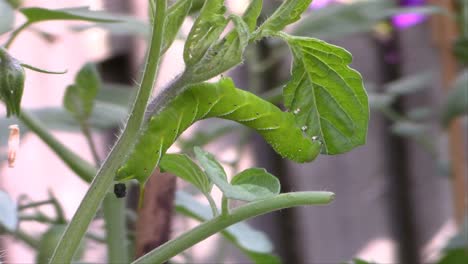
x,y
222,100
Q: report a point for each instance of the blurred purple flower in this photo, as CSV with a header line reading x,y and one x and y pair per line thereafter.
x,y
400,21
407,20
316,4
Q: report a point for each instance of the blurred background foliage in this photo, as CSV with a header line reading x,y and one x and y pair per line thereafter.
x,y
399,102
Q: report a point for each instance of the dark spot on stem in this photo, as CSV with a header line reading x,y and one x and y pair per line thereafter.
x,y
120,190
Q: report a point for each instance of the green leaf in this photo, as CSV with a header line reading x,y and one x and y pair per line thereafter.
x,y
79,97
37,14
110,110
8,212
7,18
117,94
326,95
456,103
205,55
262,258
175,17
403,86
252,13
127,25
250,185
197,5
15,3
460,49
411,84
455,256
420,114
337,21
212,168
205,31
421,10
223,54
360,261
88,77
257,184
182,166
287,13
104,117
378,101
409,129
255,244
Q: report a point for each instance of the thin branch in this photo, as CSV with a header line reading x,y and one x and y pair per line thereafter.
x,y
217,224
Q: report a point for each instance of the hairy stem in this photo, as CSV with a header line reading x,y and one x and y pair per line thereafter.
x,y
105,176
165,96
217,224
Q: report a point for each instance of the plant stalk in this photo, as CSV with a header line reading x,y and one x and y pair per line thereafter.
x,y
114,214
214,208
105,176
35,204
27,239
89,138
217,224
224,206
15,34
464,18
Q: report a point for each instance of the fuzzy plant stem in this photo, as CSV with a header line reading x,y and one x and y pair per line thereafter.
x,y
105,176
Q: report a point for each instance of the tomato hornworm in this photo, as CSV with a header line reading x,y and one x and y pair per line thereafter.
x,y
222,100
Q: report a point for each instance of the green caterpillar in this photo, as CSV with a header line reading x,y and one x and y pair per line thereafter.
x,y
221,100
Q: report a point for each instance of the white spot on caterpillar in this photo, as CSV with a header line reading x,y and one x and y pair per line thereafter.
x,y
316,138
297,111
267,128
248,119
233,110
13,144
304,128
